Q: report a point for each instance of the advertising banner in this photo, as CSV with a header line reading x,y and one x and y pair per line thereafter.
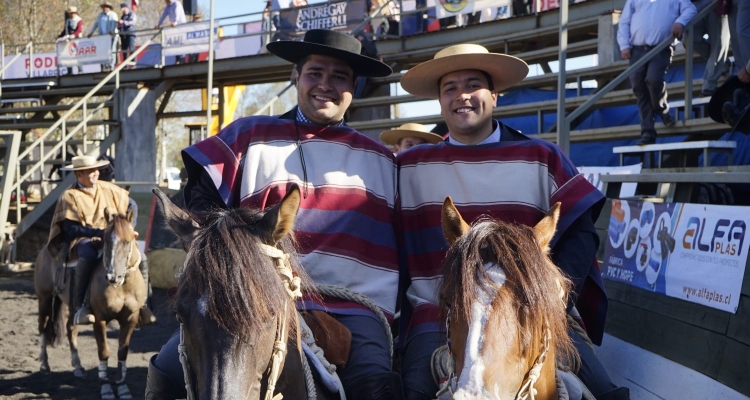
x,y
343,15
94,50
187,38
448,8
694,252
45,64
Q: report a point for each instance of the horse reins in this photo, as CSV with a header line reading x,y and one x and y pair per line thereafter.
x,y
292,284
527,390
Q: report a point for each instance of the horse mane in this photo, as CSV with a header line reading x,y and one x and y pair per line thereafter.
x,y
530,293
239,283
122,228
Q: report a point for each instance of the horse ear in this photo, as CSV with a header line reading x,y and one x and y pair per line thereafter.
x,y
454,225
545,229
108,215
280,218
178,220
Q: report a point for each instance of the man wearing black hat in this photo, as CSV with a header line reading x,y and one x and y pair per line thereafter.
x,y
344,228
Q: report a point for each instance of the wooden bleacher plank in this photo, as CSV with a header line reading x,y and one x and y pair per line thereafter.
x,y
679,177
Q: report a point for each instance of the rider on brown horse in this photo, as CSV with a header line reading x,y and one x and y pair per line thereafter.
x,y
78,226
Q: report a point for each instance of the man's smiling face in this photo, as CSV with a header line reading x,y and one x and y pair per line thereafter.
x,y
324,89
466,104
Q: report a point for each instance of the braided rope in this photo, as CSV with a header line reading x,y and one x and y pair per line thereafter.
x,y
351,295
573,324
312,394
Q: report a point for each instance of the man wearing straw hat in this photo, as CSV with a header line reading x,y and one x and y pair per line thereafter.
x,y
511,177
106,24
345,223
79,223
409,135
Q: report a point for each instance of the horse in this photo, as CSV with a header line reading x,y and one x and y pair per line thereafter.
x,y
235,302
117,292
506,319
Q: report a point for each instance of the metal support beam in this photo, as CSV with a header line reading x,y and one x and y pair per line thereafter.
x,y
12,144
563,129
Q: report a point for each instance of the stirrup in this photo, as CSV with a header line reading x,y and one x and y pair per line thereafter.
x,y
145,316
83,316
441,365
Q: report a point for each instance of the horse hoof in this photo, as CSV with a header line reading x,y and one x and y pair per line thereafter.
x,y
123,393
79,373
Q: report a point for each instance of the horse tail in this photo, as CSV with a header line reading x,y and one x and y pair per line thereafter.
x,y
54,332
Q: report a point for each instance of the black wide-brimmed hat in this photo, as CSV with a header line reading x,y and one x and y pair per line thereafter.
x,y
725,93
333,44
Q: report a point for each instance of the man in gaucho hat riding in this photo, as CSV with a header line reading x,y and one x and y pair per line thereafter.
x,y
344,227
509,176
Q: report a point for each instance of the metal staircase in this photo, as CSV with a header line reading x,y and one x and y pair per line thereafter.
x,y
87,124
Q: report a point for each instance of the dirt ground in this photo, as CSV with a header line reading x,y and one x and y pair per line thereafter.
x,y
20,377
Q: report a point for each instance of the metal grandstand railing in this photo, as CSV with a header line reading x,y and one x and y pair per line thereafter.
x,y
3,65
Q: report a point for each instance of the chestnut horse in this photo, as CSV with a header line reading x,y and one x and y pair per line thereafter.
x,y
506,320
235,302
117,292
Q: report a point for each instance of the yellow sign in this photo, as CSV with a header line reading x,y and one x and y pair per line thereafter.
x,y
232,95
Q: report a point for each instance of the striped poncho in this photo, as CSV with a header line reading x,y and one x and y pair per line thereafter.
x,y
345,225
515,181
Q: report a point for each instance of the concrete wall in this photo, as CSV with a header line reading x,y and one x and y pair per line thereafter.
x,y
136,149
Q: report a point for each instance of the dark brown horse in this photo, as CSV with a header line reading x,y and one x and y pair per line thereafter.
x,y
117,292
235,301
507,321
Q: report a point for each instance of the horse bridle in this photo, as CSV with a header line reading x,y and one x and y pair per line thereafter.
x,y
527,390
292,284
106,259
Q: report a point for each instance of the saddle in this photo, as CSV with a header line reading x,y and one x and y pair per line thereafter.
x,y
330,335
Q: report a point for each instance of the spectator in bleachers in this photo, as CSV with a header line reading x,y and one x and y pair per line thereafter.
x,y
716,49
127,31
739,27
73,28
176,14
174,11
643,25
106,24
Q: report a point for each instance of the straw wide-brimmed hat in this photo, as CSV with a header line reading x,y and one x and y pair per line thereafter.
x,y
72,9
84,162
724,94
505,70
333,44
105,4
391,137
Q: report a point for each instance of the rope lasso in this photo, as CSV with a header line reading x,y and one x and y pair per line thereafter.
x,y
351,295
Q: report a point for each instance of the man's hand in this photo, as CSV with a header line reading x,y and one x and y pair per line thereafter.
x,y
677,30
625,54
744,75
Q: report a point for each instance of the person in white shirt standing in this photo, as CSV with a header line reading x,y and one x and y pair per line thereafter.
x,y
106,24
643,25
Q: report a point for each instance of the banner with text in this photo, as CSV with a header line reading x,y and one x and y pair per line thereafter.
x,y
187,38
694,252
448,8
93,50
344,15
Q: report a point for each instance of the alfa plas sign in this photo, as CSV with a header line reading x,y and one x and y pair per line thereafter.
x,y
694,252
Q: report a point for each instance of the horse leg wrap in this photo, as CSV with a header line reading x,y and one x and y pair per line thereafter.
x,y
123,372
103,371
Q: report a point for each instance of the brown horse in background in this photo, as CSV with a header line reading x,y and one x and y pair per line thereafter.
x,y
117,292
506,318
